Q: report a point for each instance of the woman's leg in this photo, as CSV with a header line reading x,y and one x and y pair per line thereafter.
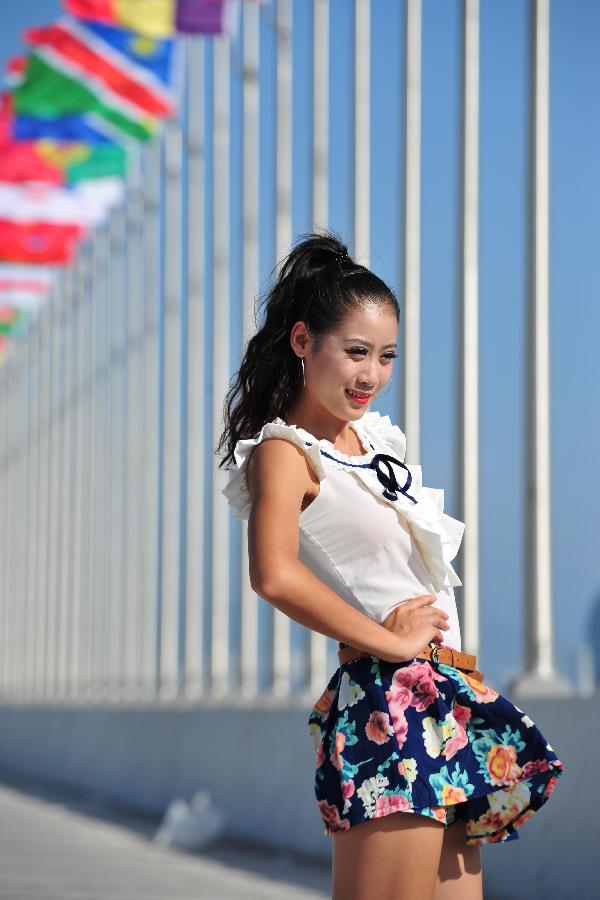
x,y
460,876
395,857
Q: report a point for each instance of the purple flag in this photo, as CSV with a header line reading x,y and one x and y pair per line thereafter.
x,y
207,16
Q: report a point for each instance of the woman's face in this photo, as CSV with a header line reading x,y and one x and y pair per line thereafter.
x,y
357,356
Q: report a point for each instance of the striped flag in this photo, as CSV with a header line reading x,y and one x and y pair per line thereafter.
x,y
51,161
128,66
153,18
208,16
85,205
52,89
25,286
12,320
14,70
88,129
47,242
43,223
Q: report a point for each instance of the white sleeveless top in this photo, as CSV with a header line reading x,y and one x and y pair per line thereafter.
x,y
373,534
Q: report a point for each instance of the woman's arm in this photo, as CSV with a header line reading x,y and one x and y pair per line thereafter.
x,y
278,478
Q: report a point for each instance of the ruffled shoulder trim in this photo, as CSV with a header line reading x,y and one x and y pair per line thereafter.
x,y
236,491
381,430
437,534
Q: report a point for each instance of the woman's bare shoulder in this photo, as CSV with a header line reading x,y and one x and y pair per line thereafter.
x,y
279,464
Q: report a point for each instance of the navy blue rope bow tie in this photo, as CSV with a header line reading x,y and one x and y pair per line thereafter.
x,y
385,474
388,479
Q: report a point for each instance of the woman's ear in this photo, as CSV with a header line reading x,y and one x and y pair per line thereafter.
x,y
299,338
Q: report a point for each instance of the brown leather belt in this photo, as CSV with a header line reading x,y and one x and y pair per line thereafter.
x,y
466,662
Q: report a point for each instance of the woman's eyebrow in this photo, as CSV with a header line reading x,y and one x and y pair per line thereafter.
x,y
360,340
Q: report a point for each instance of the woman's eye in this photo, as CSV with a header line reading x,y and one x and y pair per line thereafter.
x,y
357,350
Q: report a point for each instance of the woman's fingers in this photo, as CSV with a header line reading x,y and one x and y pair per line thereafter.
x,y
436,617
422,600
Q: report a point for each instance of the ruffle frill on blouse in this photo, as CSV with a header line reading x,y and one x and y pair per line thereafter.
x,y
437,534
236,490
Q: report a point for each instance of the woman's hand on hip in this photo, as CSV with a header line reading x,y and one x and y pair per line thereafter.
x,y
417,622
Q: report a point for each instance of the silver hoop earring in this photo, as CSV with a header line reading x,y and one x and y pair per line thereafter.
x,y
302,363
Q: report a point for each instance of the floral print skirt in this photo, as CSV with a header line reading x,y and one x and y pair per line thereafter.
x,y
424,737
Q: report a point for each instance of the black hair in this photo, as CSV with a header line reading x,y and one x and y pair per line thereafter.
x,y
319,284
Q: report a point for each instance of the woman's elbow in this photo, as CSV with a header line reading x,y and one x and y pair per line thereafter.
x,y
270,584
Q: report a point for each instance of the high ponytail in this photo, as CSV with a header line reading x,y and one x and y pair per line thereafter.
x,y
319,284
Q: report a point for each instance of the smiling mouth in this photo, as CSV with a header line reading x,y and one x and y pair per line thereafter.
x,y
357,395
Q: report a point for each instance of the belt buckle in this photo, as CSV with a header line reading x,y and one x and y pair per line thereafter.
x,y
435,649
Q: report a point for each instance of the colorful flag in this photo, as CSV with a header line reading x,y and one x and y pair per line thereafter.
x,y
130,67
208,16
14,70
20,161
88,129
52,89
12,320
36,242
86,205
80,162
153,18
51,161
25,287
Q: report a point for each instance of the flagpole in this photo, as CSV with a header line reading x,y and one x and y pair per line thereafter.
x,y
283,229
65,465
196,374
117,484
362,130
172,423
151,578
29,499
46,456
15,561
11,504
540,676
86,453
18,560
75,533
412,228
318,644
4,520
100,585
250,273
68,495
220,657
7,660
134,419
40,546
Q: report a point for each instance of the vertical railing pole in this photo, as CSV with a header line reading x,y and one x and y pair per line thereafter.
x,y
250,256
468,436
317,643
197,374
283,231
362,131
540,677
172,423
220,600
412,232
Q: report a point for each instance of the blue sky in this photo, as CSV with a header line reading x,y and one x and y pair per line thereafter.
x,y
574,275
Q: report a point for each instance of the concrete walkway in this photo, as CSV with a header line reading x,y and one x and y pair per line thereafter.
x,y
55,846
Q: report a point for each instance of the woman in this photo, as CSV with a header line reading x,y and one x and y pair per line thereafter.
x,y
344,538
